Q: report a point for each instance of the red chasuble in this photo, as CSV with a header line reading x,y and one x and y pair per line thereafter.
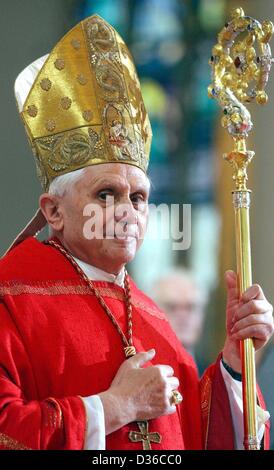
x,y
57,344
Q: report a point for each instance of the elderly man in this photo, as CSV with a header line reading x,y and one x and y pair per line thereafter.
x,y
87,361
183,300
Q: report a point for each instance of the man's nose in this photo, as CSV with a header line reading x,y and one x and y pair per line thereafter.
x,y
126,212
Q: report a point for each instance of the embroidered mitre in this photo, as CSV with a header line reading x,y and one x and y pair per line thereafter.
x,y
85,105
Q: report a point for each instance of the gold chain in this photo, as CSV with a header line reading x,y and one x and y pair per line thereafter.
x,y
129,349
144,436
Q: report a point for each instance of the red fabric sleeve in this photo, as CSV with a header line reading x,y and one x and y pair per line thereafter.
x,y
219,432
216,414
26,423
266,438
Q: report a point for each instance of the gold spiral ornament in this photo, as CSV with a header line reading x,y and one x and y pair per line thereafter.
x,y
130,351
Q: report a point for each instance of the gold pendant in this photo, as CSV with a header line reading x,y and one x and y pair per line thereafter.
x,y
144,436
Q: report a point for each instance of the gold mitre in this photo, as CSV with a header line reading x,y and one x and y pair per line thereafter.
x,y
85,106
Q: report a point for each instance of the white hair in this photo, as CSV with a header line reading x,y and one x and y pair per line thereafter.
x,y
63,183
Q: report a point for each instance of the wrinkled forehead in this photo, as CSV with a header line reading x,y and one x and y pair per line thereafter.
x,y
115,173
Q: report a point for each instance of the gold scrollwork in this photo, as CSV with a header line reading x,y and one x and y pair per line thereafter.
x,y
100,35
70,149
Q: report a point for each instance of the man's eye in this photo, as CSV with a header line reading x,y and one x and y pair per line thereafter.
x,y
137,198
103,195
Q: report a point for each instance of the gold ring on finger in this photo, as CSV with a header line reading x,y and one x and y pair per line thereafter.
x,y
176,398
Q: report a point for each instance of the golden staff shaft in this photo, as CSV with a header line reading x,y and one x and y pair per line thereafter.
x,y
239,76
241,201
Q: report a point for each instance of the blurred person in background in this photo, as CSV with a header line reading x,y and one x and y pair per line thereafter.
x,y
184,301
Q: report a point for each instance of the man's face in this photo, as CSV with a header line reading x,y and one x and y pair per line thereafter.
x,y
120,193
181,301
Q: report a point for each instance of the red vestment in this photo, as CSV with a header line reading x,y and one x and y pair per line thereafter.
x,y
57,343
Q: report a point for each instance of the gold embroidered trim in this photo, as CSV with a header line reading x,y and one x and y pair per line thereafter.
x,y
51,415
59,288
151,311
42,288
10,443
71,148
56,416
206,391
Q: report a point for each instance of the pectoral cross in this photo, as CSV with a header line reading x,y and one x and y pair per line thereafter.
x,y
144,436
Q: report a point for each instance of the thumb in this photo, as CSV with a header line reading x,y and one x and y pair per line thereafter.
x,y
231,285
141,358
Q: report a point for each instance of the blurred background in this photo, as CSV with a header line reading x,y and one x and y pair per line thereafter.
x,y
171,42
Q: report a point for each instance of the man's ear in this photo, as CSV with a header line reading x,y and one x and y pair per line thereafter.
x,y
50,207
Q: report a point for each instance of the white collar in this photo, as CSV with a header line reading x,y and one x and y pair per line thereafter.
x,y
96,274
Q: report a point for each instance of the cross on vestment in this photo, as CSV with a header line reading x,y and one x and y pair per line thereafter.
x,y
144,436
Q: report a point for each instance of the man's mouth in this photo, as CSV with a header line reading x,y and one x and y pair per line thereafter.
x,y
125,237
129,232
